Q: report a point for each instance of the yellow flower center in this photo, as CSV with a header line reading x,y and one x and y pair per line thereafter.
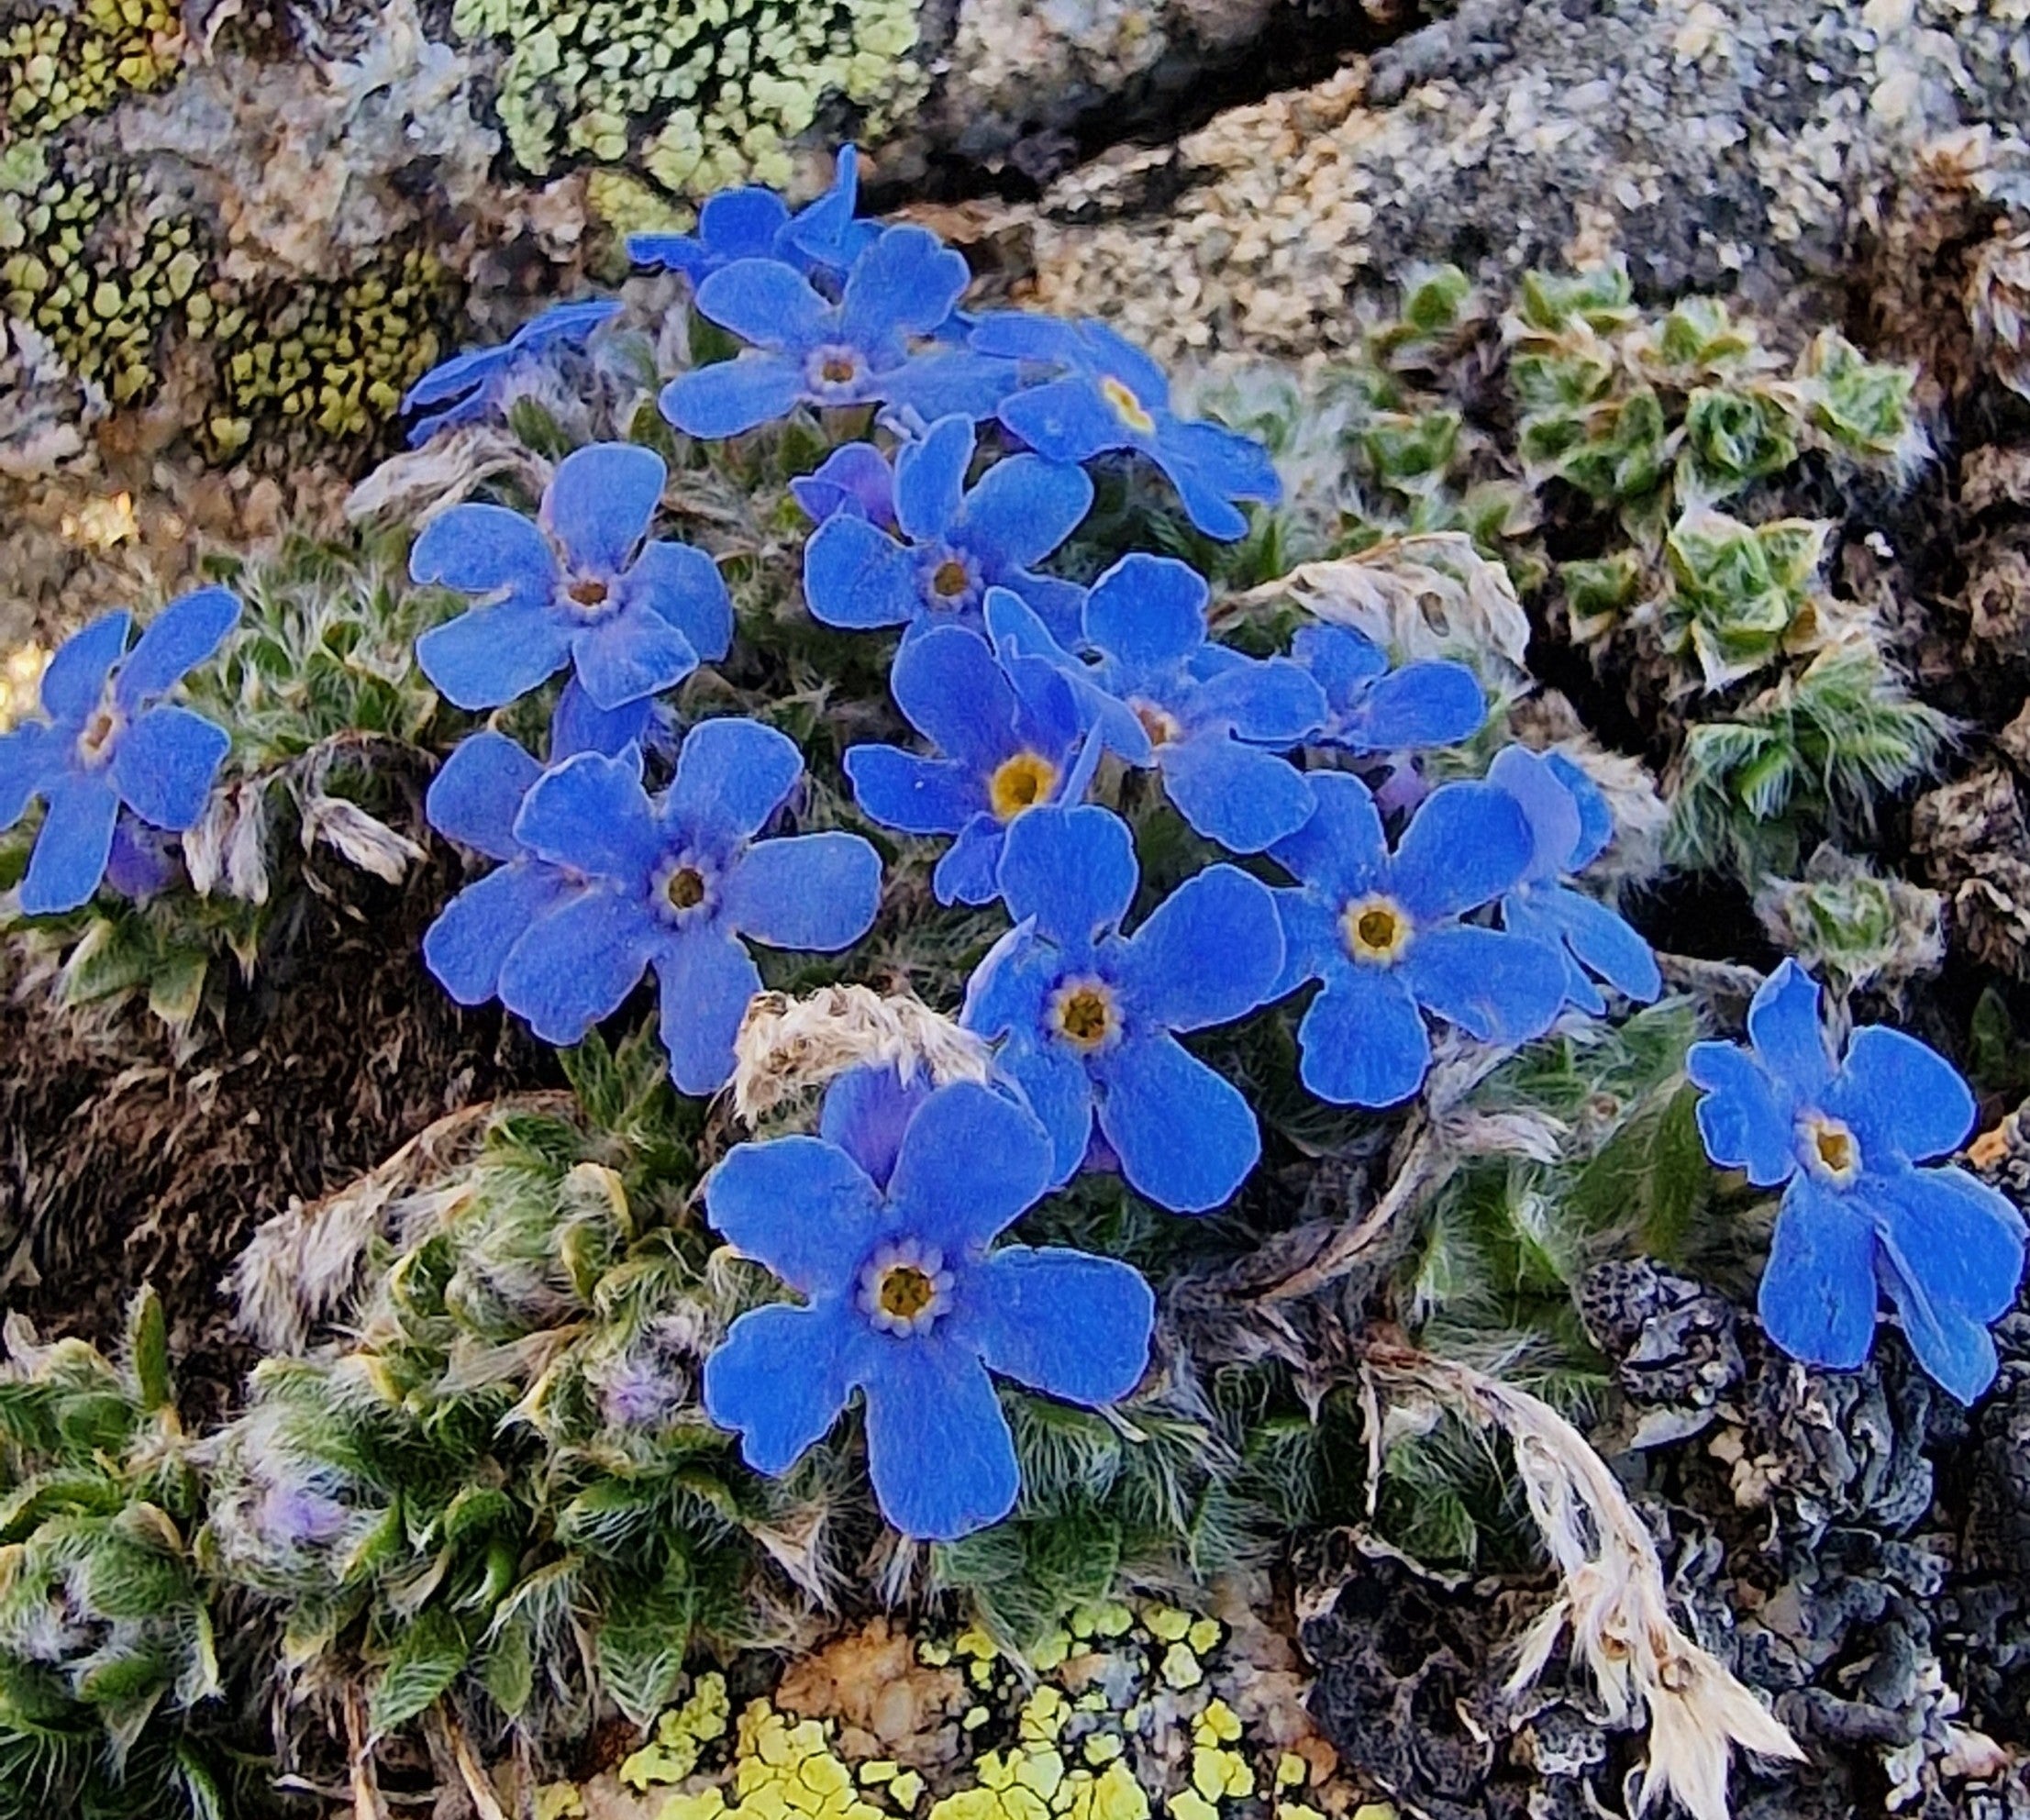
x,y
685,889
836,370
1084,1014
1127,405
1019,784
588,592
905,1291
949,580
1830,1150
96,742
1375,931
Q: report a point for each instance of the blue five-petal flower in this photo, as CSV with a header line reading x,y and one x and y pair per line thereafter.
x,y
679,882
467,387
755,223
576,586
809,350
1012,733
1086,1019
1856,1214
1371,708
1110,395
1571,826
956,543
1203,714
882,1225
1382,932
107,742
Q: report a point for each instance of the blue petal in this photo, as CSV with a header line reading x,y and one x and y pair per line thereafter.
x,y
448,378
1817,1299
29,758
824,232
72,847
1055,1086
1495,986
483,549
600,501
732,775
762,301
731,398
742,223
930,478
972,1163
1902,1098
1341,848
1073,870
492,655
968,872
1596,820
1467,845
630,656
954,693
1018,335
812,892
182,636
73,681
1019,635
1210,468
1147,613
1960,1241
475,795
1109,352
1362,1041
1025,507
1548,805
1060,1321
562,323
470,941
1343,659
854,479
855,576
1952,1345
913,795
1606,944
138,865
938,383
1186,1138
800,1205
1210,952
1239,795
1272,701
938,1448
1434,703
866,1110
1312,944
163,765
577,964
1065,420
1747,1116
905,284
1060,604
683,586
781,1379
707,980
578,725
1006,991
1783,1025
591,814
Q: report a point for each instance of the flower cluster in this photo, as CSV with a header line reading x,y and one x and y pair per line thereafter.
x,y
109,751
1844,1136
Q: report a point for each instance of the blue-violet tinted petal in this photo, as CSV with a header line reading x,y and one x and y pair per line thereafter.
x,y
1467,845
1900,1097
800,1205
972,1163
814,891
1186,1138
938,1448
163,765
1363,1041
182,636
1060,1321
72,847
1210,952
781,1380
1817,1299
1073,870
708,980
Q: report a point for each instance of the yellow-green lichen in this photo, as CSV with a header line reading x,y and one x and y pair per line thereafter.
x,y
696,93
57,66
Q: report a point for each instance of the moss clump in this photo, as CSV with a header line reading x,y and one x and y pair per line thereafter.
x,y
696,93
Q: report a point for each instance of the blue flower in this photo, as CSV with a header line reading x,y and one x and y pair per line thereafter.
x,y
755,223
1113,397
468,385
886,1238
473,800
810,351
679,882
576,586
855,478
1201,714
1086,1018
1371,709
107,742
1382,932
1012,737
955,543
1857,1215
1570,824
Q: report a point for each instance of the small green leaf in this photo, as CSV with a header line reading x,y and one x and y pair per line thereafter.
x,y
426,1659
